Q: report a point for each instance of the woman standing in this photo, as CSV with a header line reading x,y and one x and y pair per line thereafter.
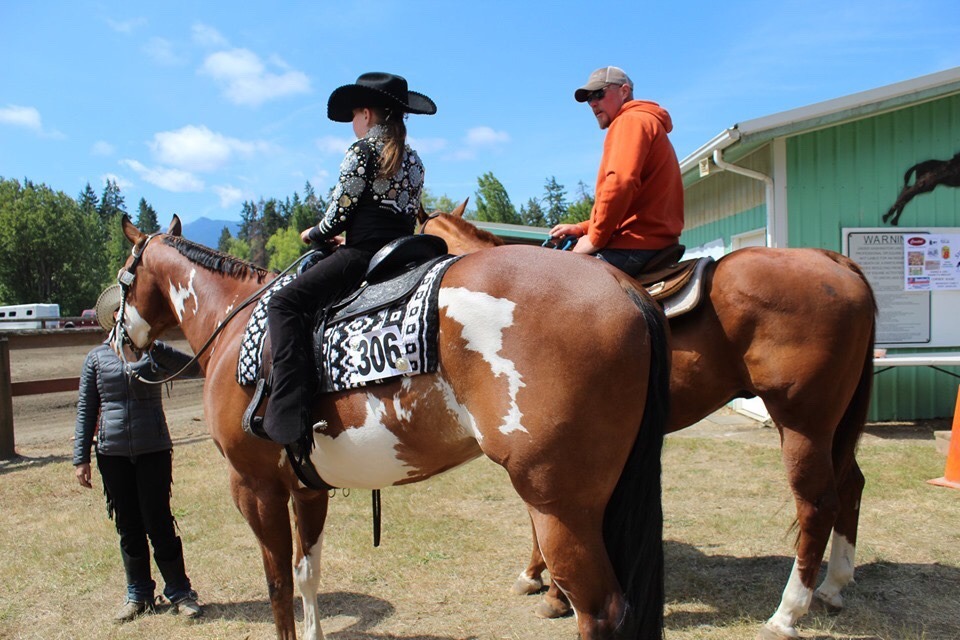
x,y
135,460
376,200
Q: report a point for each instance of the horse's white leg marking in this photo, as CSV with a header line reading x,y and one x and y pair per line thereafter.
x,y
179,295
361,457
484,319
307,576
839,571
136,327
794,603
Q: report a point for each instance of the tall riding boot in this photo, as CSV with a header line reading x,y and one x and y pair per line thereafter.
x,y
176,582
140,585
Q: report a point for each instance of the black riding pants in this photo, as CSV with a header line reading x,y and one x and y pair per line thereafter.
x,y
138,492
290,319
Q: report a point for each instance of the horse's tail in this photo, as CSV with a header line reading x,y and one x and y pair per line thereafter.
x,y
854,420
909,172
633,521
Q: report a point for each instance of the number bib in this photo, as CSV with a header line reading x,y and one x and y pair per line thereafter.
x,y
377,354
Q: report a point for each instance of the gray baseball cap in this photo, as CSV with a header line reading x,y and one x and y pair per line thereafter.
x,y
601,78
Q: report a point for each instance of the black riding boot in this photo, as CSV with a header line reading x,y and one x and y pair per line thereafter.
x,y
140,585
173,570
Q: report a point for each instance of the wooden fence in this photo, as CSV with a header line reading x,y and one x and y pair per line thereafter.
x,y
39,339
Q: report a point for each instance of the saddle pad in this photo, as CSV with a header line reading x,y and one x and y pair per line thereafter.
x,y
688,297
251,347
393,340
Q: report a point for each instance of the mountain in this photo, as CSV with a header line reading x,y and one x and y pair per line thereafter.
x,y
207,232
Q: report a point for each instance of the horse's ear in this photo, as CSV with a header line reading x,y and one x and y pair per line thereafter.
x,y
176,228
421,214
460,209
133,234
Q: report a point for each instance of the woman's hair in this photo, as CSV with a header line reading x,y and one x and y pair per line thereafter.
x,y
395,140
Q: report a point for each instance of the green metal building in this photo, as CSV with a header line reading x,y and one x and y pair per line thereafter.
x,y
824,176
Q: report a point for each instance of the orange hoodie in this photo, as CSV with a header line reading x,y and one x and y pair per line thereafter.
x,y
639,196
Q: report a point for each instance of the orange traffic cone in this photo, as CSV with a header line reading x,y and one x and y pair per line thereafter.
x,y
951,474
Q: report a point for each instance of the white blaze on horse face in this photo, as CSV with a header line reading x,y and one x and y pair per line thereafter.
x,y
484,319
136,327
179,295
361,457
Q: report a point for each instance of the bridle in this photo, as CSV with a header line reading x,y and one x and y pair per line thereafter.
x,y
423,225
126,277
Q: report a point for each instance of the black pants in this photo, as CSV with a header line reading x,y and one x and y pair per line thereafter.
x,y
630,261
138,493
290,320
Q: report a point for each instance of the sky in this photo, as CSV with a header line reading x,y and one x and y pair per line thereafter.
x,y
200,106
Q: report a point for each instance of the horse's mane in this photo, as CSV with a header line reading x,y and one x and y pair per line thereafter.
x,y
214,260
467,227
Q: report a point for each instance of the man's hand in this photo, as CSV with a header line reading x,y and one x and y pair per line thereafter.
x,y
563,230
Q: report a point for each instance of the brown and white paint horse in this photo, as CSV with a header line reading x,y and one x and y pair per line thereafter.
x,y
514,383
794,327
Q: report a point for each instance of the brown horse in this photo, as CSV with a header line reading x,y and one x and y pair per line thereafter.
x,y
511,385
796,328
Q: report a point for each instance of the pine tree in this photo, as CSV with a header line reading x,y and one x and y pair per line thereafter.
x,y
147,218
493,203
555,200
111,202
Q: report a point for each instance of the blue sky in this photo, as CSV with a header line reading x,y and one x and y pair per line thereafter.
x,y
197,106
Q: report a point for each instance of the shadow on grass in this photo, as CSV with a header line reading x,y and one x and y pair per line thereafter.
x,y
887,599
19,462
365,611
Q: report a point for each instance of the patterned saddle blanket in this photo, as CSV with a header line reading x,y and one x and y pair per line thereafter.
x,y
380,331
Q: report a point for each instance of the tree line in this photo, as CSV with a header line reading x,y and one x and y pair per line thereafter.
x,y
65,250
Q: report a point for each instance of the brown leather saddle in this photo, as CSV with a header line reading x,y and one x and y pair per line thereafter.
x,y
665,276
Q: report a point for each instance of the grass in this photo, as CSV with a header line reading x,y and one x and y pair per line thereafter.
x,y
452,546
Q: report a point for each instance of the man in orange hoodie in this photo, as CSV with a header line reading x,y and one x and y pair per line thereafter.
x,y
638,209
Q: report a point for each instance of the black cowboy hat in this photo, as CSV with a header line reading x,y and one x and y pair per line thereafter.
x,y
377,90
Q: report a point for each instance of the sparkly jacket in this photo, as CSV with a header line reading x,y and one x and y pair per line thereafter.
x,y
372,210
639,197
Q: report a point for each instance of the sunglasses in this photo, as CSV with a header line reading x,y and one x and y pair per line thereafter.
x,y
596,96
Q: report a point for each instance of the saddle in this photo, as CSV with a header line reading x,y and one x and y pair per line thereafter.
x,y
395,274
676,284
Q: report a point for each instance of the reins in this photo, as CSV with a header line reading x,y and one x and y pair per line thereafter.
x,y
126,277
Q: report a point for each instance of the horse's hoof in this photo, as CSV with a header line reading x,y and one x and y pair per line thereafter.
x,y
831,605
768,632
550,609
526,586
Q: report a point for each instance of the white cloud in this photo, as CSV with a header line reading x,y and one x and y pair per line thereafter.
x,y
229,195
196,148
101,148
126,26
486,137
123,183
333,144
427,145
246,80
18,116
162,52
175,180
207,36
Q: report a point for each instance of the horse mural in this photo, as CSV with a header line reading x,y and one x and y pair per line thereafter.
x,y
796,328
928,175
510,385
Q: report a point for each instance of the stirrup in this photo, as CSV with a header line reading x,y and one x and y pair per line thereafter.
x,y
252,423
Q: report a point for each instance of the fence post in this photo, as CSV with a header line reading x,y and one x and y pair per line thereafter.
x,y
6,403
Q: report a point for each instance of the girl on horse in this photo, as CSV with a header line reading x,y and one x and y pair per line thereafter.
x,y
376,200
